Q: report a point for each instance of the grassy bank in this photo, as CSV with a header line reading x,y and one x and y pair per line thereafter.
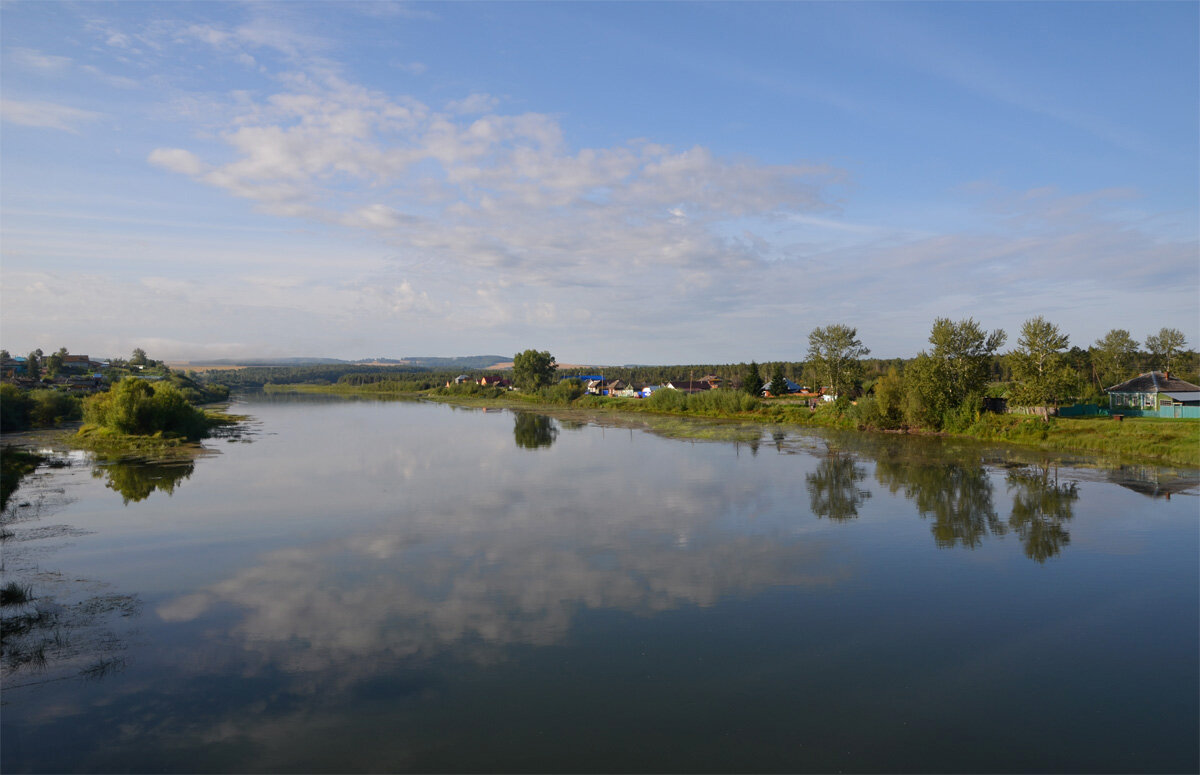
x,y
1147,440
1150,439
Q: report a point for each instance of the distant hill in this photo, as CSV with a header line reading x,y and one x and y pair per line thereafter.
x,y
466,362
300,361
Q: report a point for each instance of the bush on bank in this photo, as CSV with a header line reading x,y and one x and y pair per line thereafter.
x,y
136,407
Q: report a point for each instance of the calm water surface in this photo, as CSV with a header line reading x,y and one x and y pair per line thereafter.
x,y
367,586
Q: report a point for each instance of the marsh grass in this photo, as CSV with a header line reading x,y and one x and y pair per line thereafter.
x,y
13,593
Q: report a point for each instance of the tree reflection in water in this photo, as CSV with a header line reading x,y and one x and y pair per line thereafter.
x,y
1041,508
531,430
136,480
833,489
958,497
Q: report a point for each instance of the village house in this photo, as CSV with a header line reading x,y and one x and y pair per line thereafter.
x,y
690,386
78,363
789,387
1155,394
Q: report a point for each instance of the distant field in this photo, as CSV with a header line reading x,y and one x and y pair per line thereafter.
x,y
185,365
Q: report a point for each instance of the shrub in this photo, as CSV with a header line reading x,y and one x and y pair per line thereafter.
x,y
962,417
15,408
668,400
564,391
721,402
867,413
50,407
136,407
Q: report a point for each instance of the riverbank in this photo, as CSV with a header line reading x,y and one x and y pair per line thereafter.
x,y
1135,440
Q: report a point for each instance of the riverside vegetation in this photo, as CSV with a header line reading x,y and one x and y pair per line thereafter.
x,y
150,411
940,391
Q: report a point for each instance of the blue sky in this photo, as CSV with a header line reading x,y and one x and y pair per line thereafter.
x,y
613,182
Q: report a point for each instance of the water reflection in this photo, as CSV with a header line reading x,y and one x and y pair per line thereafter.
x,y
489,591
52,625
1042,507
399,586
532,431
1155,482
957,496
833,489
136,480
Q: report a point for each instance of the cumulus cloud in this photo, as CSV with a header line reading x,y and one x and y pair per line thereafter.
x,y
497,192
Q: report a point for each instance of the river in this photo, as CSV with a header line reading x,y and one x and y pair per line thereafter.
x,y
405,586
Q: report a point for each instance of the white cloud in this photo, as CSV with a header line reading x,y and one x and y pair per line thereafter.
x,y
29,59
46,115
500,192
177,160
119,81
475,103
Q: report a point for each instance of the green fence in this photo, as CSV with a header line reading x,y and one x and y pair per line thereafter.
x,y
1081,410
1166,412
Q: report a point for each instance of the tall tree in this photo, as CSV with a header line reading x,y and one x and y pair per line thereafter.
x,y
965,352
533,369
138,358
1113,356
1039,364
834,352
889,395
959,365
778,386
1164,346
33,365
752,382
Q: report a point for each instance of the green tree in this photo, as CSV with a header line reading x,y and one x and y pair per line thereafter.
x,y
938,384
1164,346
533,369
1039,364
4,356
1113,356
15,408
54,362
778,386
834,352
752,382
926,398
33,365
133,406
965,352
138,358
889,397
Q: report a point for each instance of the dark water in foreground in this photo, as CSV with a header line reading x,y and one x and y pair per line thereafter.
x,y
399,586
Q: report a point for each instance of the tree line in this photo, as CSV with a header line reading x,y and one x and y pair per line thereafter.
x,y
943,387
946,384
